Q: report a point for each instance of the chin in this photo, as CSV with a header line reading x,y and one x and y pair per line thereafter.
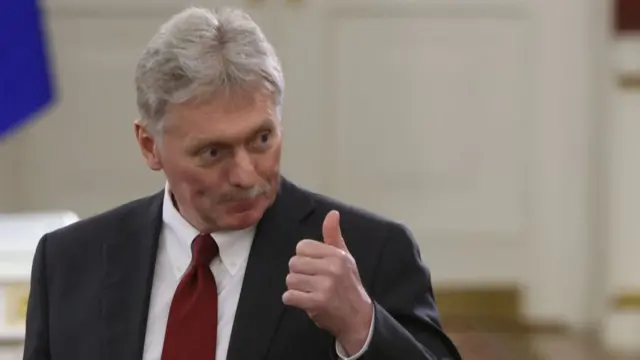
x,y
242,220
237,223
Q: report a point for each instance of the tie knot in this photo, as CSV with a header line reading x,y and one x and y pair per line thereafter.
x,y
203,250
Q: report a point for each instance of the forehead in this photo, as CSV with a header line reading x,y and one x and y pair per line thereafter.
x,y
223,117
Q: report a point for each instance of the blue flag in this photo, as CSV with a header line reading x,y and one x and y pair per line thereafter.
x,y
26,84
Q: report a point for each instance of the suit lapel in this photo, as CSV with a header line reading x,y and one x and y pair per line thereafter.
x,y
260,306
129,262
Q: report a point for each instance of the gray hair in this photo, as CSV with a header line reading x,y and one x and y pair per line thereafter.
x,y
200,53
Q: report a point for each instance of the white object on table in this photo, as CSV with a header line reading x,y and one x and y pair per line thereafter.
x,y
19,236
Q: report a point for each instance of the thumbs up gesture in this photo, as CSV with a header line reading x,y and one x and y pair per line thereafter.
x,y
323,280
331,231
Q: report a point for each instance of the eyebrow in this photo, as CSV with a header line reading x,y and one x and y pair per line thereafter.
x,y
200,144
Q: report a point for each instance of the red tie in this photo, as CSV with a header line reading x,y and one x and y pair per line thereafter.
x,y
192,327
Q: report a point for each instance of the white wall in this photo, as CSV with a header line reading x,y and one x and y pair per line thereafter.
x,y
490,116
515,208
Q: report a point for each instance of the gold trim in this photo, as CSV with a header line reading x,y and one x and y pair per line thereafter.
x,y
629,81
16,297
500,303
627,301
488,308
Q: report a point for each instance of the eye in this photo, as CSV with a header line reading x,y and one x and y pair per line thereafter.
x,y
264,137
211,152
261,141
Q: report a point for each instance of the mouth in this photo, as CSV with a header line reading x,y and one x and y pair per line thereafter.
x,y
241,206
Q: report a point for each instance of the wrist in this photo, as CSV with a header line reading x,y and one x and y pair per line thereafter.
x,y
355,336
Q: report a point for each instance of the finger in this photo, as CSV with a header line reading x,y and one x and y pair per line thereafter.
x,y
316,249
307,265
300,299
301,282
331,232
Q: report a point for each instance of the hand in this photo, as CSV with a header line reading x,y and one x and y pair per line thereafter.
x,y
324,281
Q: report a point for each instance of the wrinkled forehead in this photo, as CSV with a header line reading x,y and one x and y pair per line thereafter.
x,y
230,115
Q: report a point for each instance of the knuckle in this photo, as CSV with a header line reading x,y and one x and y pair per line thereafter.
x,y
304,245
344,258
288,298
325,288
317,299
336,267
294,262
290,280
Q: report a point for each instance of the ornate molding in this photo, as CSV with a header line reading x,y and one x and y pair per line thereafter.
x,y
629,81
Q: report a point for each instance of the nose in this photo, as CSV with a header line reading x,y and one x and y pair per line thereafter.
x,y
243,172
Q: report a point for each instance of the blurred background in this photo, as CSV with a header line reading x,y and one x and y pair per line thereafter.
x,y
505,133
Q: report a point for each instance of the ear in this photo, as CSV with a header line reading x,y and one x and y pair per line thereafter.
x,y
148,146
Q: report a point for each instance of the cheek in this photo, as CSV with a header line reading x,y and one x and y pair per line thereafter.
x,y
270,164
184,173
268,167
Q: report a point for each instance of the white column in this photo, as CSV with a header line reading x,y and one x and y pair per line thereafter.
x,y
569,36
622,323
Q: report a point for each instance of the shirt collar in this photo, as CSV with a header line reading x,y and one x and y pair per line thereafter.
x,y
234,245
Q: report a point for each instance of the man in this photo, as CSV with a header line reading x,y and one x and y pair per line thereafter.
x,y
230,260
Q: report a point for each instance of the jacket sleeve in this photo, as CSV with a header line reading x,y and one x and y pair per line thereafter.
x,y
36,346
407,325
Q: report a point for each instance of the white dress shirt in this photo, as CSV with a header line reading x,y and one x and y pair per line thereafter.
x,y
174,256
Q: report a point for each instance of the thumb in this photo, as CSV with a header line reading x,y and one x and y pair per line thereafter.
x,y
331,230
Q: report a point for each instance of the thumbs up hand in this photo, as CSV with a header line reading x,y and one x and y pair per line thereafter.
x,y
323,280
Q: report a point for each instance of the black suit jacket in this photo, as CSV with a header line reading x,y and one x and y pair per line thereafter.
x,y
91,283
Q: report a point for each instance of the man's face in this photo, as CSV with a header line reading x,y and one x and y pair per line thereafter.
x,y
221,159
